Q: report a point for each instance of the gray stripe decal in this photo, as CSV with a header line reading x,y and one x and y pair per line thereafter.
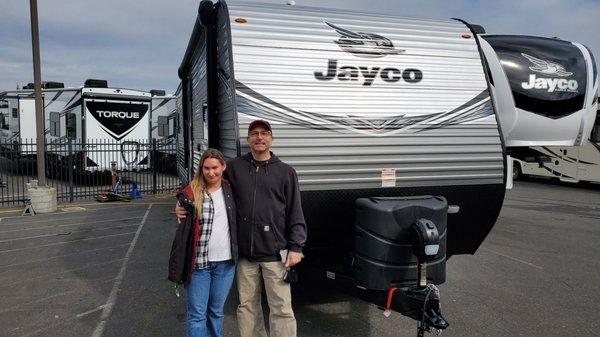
x,y
164,101
54,99
70,107
475,108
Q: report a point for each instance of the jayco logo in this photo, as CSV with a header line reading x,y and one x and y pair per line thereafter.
x,y
118,114
551,69
367,74
366,45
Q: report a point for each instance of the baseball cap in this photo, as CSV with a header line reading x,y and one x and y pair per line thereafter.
x,y
259,122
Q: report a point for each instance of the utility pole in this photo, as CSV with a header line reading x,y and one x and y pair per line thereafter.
x,y
39,108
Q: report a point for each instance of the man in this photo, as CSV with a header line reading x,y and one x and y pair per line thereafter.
x,y
270,226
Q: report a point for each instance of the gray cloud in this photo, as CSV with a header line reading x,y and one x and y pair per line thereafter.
x,y
140,44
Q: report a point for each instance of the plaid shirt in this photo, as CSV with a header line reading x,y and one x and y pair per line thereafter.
x,y
206,224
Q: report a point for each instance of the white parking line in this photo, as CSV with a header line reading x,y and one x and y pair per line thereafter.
x,y
66,225
65,255
91,311
514,258
113,294
68,233
29,279
40,300
64,242
52,215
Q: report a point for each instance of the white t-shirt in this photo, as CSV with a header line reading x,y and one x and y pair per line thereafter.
x,y
219,246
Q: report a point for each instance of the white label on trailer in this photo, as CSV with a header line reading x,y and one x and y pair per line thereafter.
x,y
330,275
388,177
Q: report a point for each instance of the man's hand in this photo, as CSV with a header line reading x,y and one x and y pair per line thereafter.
x,y
293,259
180,212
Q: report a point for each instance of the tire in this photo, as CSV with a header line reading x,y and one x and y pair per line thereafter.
x,y
517,172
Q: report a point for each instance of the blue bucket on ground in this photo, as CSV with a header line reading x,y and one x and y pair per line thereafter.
x,y
135,192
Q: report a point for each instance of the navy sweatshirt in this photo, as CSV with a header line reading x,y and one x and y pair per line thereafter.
x,y
269,211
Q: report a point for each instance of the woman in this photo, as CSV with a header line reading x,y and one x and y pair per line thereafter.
x,y
205,247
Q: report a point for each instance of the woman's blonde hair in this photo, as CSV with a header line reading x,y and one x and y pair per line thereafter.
x,y
198,183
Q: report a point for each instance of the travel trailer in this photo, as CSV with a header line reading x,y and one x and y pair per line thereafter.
x,y
162,128
546,91
164,111
388,122
567,163
86,116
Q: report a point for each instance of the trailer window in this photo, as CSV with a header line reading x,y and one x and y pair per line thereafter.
x,y
595,137
4,114
15,113
171,127
163,126
55,124
71,125
4,122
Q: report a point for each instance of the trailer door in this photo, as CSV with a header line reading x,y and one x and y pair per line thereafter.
x,y
27,119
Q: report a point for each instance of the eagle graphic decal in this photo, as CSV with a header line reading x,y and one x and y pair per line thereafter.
x,y
361,44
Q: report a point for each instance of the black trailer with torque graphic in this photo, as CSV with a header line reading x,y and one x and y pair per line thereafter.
x,y
83,117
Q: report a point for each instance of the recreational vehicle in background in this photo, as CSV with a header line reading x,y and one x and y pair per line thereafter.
x,y
163,128
546,91
388,122
86,116
4,115
163,115
567,163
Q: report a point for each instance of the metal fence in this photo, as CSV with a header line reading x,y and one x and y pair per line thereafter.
x,y
83,170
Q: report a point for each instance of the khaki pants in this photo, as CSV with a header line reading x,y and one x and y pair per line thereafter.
x,y
282,322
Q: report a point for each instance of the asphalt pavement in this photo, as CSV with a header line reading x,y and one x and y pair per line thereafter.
x,y
100,270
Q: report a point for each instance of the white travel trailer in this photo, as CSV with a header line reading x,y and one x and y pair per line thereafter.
x,y
376,113
86,116
162,128
567,163
164,112
546,94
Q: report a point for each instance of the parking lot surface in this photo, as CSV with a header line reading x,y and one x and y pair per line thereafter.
x,y
100,270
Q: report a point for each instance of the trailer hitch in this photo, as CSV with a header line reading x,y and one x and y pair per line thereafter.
x,y
426,247
421,303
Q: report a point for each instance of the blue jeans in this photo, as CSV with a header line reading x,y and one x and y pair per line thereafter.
x,y
206,295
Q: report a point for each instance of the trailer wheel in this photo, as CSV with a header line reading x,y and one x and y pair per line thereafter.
x,y
517,172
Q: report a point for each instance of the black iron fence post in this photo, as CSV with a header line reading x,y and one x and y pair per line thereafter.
x,y
153,164
72,181
70,168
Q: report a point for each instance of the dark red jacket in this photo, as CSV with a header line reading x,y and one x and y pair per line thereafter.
x,y
183,250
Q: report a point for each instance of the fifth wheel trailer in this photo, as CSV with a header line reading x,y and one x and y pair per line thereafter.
x,y
388,122
546,91
85,116
567,163
163,129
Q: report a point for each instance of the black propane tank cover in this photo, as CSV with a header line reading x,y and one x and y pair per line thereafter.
x,y
385,241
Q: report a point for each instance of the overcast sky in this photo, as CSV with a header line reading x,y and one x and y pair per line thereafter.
x,y
140,44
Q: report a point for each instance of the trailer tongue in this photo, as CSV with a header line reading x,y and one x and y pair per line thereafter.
x,y
401,244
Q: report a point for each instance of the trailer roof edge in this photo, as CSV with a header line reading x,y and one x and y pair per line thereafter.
x,y
199,27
